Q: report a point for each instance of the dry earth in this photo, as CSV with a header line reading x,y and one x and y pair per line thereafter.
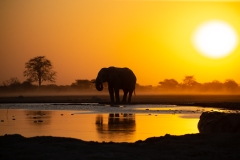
x,y
218,101
192,146
226,101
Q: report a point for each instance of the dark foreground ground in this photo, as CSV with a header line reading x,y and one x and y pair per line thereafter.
x,y
192,146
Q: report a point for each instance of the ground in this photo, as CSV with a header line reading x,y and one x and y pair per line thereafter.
x,y
191,146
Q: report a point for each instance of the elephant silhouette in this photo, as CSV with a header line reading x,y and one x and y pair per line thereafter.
x,y
117,78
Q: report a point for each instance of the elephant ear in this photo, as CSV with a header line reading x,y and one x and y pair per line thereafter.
x,y
113,74
112,77
102,75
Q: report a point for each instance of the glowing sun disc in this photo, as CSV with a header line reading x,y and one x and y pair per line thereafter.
x,y
215,39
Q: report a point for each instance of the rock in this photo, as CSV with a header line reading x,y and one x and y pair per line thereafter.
x,y
20,97
217,122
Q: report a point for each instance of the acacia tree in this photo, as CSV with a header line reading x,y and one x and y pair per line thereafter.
x,y
39,69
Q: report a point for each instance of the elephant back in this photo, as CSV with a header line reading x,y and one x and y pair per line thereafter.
x,y
128,78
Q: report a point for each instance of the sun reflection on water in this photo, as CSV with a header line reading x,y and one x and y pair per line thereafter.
x,y
91,125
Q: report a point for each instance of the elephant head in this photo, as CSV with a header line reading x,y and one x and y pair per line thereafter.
x,y
99,85
101,78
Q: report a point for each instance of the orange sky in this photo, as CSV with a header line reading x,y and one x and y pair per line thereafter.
x,y
153,38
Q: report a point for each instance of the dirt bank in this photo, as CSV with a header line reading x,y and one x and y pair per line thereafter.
x,y
192,146
218,101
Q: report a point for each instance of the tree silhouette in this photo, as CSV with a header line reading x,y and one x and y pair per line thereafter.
x,y
169,84
39,69
189,81
214,86
83,84
14,81
230,85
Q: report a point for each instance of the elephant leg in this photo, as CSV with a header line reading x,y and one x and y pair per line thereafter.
x,y
111,93
124,96
130,96
117,94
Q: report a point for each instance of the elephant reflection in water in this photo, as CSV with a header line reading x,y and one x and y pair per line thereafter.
x,y
124,123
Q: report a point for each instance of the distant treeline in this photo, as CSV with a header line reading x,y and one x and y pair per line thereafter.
x,y
188,85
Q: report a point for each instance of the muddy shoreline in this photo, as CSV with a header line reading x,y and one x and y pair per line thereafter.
x,y
216,101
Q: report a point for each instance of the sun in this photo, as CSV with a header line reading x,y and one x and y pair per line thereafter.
x,y
215,39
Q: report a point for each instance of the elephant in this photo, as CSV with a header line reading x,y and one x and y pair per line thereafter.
x,y
117,78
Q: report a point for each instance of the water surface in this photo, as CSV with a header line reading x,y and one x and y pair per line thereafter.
x,y
98,122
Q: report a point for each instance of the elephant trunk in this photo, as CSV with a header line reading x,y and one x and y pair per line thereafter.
x,y
99,85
